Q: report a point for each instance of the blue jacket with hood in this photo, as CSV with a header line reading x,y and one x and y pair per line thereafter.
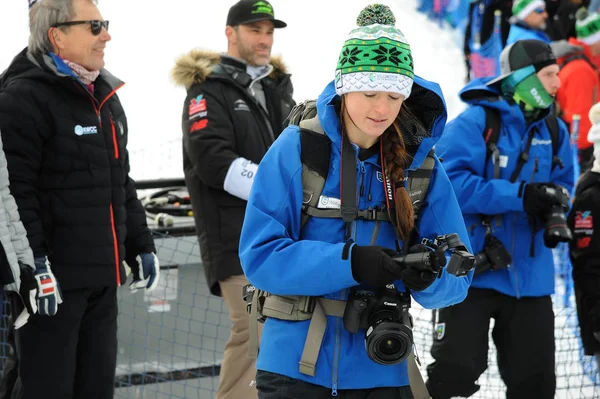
x,y
280,258
463,150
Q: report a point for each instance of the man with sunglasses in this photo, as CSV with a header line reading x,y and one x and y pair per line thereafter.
x,y
65,133
528,21
235,108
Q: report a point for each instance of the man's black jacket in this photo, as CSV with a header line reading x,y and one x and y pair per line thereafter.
x,y
223,121
69,171
584,221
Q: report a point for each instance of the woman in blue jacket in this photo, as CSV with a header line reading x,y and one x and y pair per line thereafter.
x,y
383,114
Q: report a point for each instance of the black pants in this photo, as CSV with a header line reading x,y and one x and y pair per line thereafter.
x,y
524,337
72,354
276,386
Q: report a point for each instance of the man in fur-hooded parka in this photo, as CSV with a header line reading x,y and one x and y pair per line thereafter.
x,y
234,110
226,132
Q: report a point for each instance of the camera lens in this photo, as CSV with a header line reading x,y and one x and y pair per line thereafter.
x,y
556,229
388,342
481,261
391,346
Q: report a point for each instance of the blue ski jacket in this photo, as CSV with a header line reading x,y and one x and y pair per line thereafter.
x,y
521,32
463,149
280,258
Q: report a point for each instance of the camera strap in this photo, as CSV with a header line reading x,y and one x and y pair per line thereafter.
x,y
523,158
415,378
389,188
348,194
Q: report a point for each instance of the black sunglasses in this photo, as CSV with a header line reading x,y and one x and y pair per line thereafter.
x,y
95,24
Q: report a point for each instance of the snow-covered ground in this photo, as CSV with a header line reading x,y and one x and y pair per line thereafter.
x,y
149,36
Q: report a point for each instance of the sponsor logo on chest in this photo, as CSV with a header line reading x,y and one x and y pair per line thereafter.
x,y
83,130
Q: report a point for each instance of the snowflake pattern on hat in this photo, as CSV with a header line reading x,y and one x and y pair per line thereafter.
x,y
375,56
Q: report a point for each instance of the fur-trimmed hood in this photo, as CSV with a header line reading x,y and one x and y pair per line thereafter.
x,y
194,67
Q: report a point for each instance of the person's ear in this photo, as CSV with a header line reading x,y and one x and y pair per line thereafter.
x,y
56,37
231,34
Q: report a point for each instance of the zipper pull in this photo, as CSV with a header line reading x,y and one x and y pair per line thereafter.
x,y
362,179
334,391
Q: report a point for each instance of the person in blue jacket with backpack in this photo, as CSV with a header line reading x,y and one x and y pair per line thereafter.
x,y
380,122
512,180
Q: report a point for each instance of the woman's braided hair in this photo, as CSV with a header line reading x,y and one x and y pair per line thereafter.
x,y
397,159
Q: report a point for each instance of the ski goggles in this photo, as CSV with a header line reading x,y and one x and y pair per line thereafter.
x,y
95,24
540,10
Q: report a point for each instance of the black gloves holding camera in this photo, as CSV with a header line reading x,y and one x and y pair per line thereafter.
x,y
539,198
379,266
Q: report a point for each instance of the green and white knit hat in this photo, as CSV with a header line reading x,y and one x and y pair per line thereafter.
x,y
587,26
375,56
522,8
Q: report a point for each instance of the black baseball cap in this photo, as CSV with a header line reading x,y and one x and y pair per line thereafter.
x,y
523,53
248,11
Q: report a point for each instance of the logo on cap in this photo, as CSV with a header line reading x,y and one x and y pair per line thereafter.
x,y
260,7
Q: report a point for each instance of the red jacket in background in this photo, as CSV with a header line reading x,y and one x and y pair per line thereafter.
x,y
579,90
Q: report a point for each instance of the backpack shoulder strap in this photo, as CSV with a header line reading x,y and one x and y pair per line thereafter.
x,y
418,182
553,128
301,112
315,153
491,135
417,186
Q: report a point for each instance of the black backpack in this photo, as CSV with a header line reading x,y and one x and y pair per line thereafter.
x,y
315,154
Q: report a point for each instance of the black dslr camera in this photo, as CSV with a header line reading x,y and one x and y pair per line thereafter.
x,y
385,317
555,226
493,256
461,260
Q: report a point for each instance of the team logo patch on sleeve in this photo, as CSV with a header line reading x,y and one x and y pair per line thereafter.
x,y
197,113
584,220
440,331
584,242
198,125
197,106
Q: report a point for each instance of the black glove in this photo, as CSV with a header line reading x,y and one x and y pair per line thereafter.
x,y
537,201
28,289
420,271
374,265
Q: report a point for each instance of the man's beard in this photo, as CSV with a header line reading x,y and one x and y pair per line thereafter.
x,y
251,57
